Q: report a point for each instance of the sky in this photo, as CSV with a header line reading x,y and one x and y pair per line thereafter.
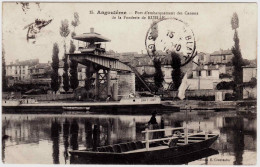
x,y
211,27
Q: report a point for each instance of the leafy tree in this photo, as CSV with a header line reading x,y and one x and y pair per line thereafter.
x,y
226,85
158,76
4,81
72,47
237,59
65,75
76,21
74,82
55,84
64,32
73,34
89,81
234,21
176,70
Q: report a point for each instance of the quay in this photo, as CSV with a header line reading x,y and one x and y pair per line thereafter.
x,y
96,107
205,105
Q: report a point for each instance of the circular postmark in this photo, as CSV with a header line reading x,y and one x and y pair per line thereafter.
x,y
166,36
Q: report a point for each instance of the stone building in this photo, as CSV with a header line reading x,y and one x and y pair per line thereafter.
x,y
19,70
221,57
207,77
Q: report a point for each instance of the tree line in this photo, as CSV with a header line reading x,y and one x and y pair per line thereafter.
x,y
70,73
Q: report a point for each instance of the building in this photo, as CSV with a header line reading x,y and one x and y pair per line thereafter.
x,y
211,69
221,57
40,71
19,70
217,57
107,75
143,64
207,77
249,82
203,58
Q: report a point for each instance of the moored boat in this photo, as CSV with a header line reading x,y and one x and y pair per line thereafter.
x,y
149,150
76,108
141,100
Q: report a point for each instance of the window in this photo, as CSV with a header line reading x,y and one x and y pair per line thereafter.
x,y
209,73
224,57
199,73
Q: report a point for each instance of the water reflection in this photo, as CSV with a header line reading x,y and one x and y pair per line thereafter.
x,y
66,129
88,134
55,130
237,141
74,130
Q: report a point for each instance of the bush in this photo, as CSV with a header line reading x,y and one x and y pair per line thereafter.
x,y
203,98
226,85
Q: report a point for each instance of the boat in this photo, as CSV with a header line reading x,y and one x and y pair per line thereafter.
x,y
135,100
76,108
185,159
18,102
138,152
10,102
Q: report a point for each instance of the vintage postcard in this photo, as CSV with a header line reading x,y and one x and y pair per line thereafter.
x,y
129,83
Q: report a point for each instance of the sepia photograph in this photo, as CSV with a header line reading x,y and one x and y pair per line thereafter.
x,y
151,83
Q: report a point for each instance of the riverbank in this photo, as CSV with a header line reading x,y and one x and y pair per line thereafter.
x,y
95,107
203,105
210,105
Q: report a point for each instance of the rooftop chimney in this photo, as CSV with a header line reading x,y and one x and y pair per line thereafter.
x,y
91,30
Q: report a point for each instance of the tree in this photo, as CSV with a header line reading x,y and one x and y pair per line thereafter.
x,y
89,80
176,70
66,85
158,76
73,34
74,82
4,81
76,21
237,59
64,32
55,84
72,47
234,21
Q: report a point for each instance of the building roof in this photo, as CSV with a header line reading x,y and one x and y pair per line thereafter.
x,y
221,52
250,66
30,62
91,37
145,60
40,66
201,68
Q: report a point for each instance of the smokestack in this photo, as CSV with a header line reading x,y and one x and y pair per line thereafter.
x,y
91,30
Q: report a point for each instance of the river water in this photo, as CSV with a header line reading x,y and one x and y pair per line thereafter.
x,y
46,139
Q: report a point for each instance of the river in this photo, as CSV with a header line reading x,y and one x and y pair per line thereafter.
x,y
46,139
